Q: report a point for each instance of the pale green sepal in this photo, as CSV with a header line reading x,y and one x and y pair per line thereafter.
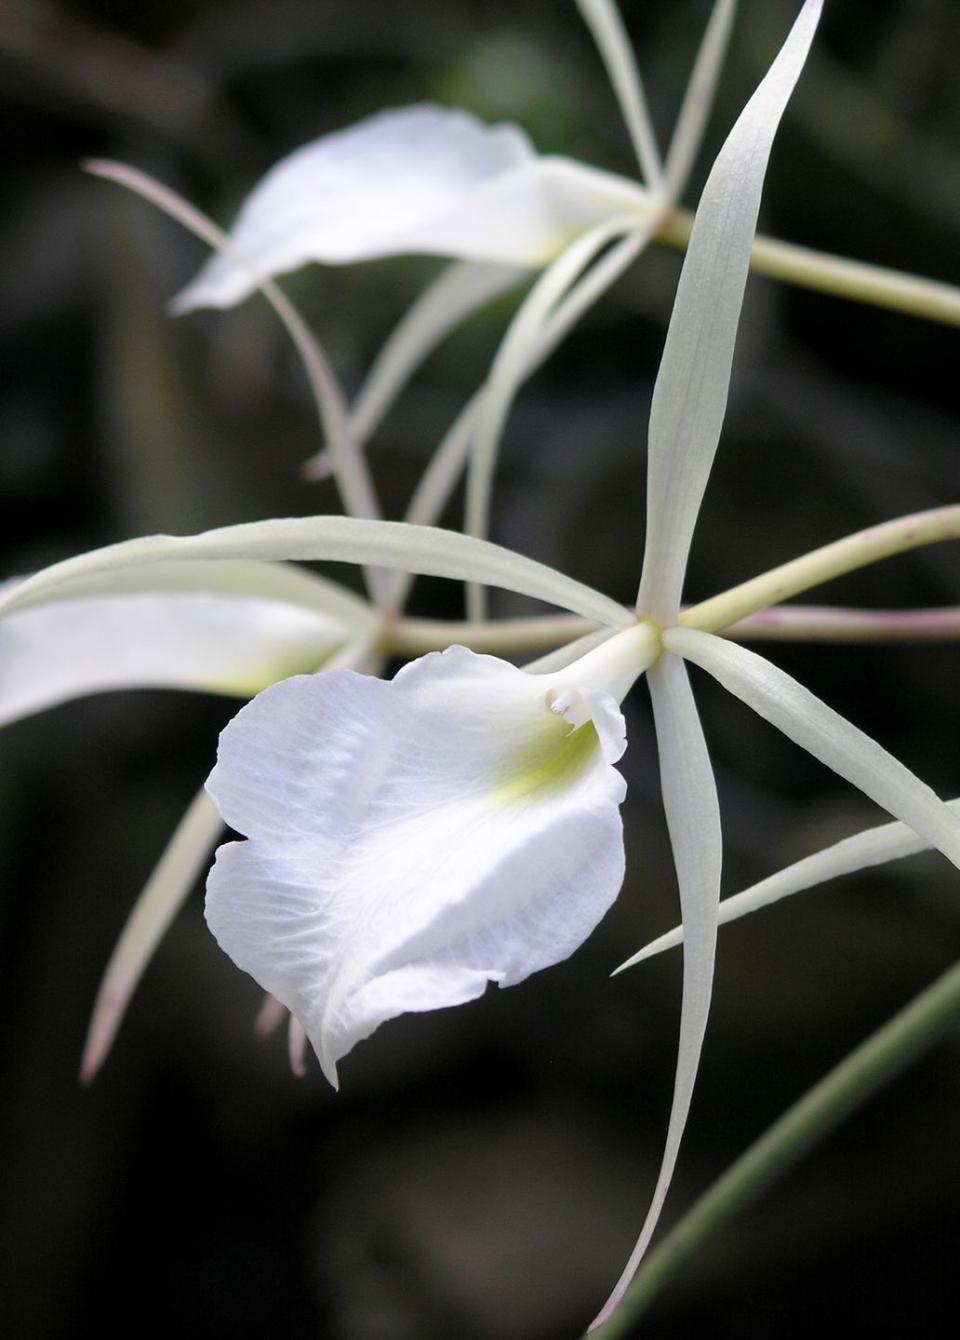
x,y
874,846
698,98
693,820
603,19
185,855
824,733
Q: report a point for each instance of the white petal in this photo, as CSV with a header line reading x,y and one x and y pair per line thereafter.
x,y
158,904
188,640
825,734
418,179
408,841
693,818
874,846
133,564
690,395
281,582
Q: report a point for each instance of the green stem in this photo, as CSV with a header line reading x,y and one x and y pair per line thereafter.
x,y
413,637
837,275
787,623
822,565
845,1089
821,623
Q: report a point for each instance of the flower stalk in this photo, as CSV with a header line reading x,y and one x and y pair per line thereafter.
x,y
838,275
823,565
872,1065
780,623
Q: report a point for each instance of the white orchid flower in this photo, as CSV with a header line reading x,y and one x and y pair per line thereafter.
x,y
454,186
437,180
480,838
406,842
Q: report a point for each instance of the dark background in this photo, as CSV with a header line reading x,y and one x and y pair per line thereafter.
x,y
483,1172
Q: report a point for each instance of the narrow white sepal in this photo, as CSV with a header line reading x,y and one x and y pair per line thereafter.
x,y
424,179
409,841
690,394
874,846
824,733
693,820
163,896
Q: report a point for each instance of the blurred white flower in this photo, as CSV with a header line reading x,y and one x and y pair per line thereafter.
x,y
425,178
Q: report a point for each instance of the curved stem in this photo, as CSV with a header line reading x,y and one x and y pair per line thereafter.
x,y
822,565
413,637
845,278
822,623
841,1092
350,471
789,623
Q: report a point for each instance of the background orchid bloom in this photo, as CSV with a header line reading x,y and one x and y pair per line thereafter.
x,y
437,180
424,179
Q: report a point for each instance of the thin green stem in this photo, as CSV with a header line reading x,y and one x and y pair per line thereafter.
x,y
790,623
845,278
822,623
822,565
841,1092
413,637
349,466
